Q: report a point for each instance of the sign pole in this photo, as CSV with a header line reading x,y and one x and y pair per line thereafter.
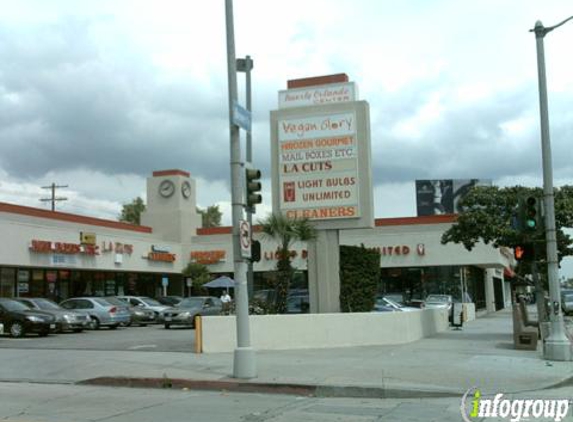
x,y
244,364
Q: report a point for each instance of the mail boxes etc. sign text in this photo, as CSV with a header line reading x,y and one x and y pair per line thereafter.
x,y
318,167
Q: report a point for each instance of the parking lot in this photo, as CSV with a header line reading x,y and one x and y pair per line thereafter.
x,y
153,338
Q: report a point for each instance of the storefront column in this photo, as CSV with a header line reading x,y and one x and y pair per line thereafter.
x,y
323,272
489,291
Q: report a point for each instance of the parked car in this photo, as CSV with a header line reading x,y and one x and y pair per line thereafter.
x,y
18,320
379,307
189,308
146,303
298,304
169,300
396,297
266,295
66,319
385,301
567,303
138,315
435,301
101,312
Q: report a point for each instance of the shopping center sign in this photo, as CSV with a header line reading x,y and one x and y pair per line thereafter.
x,y
322,165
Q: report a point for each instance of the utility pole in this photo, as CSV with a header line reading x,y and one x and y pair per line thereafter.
x,y
246,65
53,198
557,346
244,364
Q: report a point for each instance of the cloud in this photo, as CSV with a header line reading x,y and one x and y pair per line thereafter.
x,y
97,96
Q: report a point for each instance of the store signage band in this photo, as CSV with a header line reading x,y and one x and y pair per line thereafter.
x,y
208,257
62,248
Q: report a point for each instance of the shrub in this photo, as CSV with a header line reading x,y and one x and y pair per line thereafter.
x,y
359,278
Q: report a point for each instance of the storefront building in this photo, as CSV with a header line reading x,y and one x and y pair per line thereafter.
x,y
60,255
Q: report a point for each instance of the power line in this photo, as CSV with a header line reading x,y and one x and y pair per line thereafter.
x,y
53,198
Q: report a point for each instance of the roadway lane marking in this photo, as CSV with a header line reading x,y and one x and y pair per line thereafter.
x,y
143,346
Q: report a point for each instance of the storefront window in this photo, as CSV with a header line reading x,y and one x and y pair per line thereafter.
x,y
37,285
419,282
7,281
51,279
98,287
110,285
23,282
63,287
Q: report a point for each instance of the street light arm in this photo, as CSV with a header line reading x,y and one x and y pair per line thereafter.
x,y
540,30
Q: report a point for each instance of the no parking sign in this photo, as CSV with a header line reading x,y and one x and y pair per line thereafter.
x,y
245,238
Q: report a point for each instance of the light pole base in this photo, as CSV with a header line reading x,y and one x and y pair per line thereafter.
x,y
558,349
244,363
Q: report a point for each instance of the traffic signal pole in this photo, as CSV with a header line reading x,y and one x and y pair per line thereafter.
x,y
244,362
557,346
246,65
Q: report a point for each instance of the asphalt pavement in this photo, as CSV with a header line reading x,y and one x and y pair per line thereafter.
x,y
480,355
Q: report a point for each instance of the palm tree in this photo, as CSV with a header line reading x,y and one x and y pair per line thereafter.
x,y
210,217
285,231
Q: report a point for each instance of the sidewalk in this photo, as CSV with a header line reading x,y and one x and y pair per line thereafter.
x,y
480,355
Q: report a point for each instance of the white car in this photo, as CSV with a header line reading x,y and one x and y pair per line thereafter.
x,y
439,302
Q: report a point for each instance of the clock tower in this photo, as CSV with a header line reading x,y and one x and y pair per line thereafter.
x,y
171,209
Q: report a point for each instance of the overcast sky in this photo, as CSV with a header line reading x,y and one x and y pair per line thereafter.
x,y
97,94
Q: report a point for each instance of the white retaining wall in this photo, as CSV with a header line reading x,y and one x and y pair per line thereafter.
x,y
276,332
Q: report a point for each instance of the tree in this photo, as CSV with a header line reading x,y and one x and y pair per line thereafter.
x,y
285,231
131,213
211,217
488,213
199,275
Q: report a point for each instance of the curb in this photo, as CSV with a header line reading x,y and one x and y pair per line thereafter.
x,y
268,388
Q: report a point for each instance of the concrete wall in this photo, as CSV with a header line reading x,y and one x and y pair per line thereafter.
x,y
279,332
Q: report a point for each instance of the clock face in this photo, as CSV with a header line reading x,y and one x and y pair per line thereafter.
x,y
166,188
186,189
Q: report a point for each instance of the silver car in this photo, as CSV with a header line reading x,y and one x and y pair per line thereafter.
x,y
439,302
66,319
189,308
102,313
145,303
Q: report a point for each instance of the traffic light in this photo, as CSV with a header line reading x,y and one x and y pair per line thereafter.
x,y
253,188
255,251
524,252
530,215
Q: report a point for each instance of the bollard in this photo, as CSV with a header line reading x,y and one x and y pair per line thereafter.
x,y
198,334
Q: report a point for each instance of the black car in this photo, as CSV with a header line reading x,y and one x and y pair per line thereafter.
x,y
18,320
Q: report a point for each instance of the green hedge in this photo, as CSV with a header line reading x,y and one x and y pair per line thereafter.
x,y
359,278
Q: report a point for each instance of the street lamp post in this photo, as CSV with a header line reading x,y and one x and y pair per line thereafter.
x,y
557,346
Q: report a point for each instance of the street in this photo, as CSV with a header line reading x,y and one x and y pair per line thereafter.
x,y
153,338
22,402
